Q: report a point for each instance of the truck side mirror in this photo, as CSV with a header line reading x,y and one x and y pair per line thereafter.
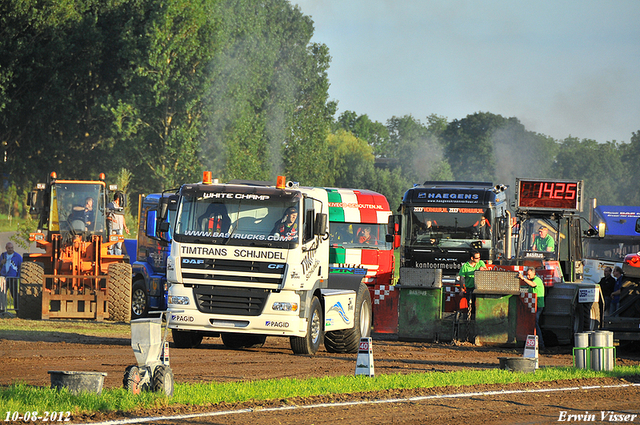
x,y
163,208
393,230
151,224
638,225
320,224
35,201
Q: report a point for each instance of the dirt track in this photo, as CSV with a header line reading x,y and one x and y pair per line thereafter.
x,y
29,356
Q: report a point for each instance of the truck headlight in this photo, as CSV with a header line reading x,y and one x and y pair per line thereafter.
x,y
280,306
178,300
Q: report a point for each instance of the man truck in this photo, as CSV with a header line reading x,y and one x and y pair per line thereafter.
x,y
441,225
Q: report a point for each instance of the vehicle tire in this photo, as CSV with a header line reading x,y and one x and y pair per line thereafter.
x,y
119,292
348,340
163,380
310,343
30,291
237,341
578,318
139,300
131,380
186,339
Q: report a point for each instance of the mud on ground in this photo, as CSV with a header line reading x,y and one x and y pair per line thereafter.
x,y
28,356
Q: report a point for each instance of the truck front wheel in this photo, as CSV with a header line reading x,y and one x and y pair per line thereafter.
x,y
139,300
310,343
348,340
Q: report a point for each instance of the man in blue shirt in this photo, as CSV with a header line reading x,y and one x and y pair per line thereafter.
x,y
10,262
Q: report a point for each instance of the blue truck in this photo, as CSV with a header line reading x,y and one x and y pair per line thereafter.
x,y
148,256
622,237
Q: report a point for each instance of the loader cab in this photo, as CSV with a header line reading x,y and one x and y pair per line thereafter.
x,y
70,208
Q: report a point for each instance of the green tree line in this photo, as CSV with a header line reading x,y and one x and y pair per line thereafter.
x,y
161,91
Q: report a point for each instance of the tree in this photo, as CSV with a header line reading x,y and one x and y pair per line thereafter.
x,y
352,160
417,149
374,132
598,164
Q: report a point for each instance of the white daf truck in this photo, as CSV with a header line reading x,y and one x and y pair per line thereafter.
x,y
250,261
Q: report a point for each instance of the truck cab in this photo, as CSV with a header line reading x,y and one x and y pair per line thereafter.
x,y
149,288
250,260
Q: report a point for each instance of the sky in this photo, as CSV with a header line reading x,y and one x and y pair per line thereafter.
x,y
563,68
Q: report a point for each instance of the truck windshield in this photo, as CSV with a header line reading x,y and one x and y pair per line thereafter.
x,y
78,208
238,219
359,235
613,248
447,226
538,238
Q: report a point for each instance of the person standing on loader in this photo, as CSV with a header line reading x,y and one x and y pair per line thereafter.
x,y
116,219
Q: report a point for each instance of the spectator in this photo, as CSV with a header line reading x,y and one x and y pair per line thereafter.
x,y
10,262
536,287
116,218
607,284
615,295
543,241
467,277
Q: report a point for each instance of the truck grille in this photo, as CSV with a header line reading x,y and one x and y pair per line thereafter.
x,y
229,300
210,271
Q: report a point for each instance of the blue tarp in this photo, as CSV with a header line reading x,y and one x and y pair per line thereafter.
x,y
619,220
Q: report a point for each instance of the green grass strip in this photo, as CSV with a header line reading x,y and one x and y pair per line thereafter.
x,y
20,397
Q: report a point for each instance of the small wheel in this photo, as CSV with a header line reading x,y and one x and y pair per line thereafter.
x,y
310,343
163,380
139,300
131,380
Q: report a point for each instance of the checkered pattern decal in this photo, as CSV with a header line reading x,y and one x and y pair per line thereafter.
x,y
529,300
382,291
450,292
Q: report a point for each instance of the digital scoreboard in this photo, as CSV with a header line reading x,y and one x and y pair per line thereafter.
x,y
545,195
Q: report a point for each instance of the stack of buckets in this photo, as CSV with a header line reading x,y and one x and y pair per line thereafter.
x,y
594,350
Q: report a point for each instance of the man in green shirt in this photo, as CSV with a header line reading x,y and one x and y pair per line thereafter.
x,y
536,287
467,275
544,241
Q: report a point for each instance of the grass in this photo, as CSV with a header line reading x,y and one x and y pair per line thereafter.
x,y
21,397
9,224
15,326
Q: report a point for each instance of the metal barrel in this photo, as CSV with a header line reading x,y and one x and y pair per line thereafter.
x,y
598,340
580,356
608,359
